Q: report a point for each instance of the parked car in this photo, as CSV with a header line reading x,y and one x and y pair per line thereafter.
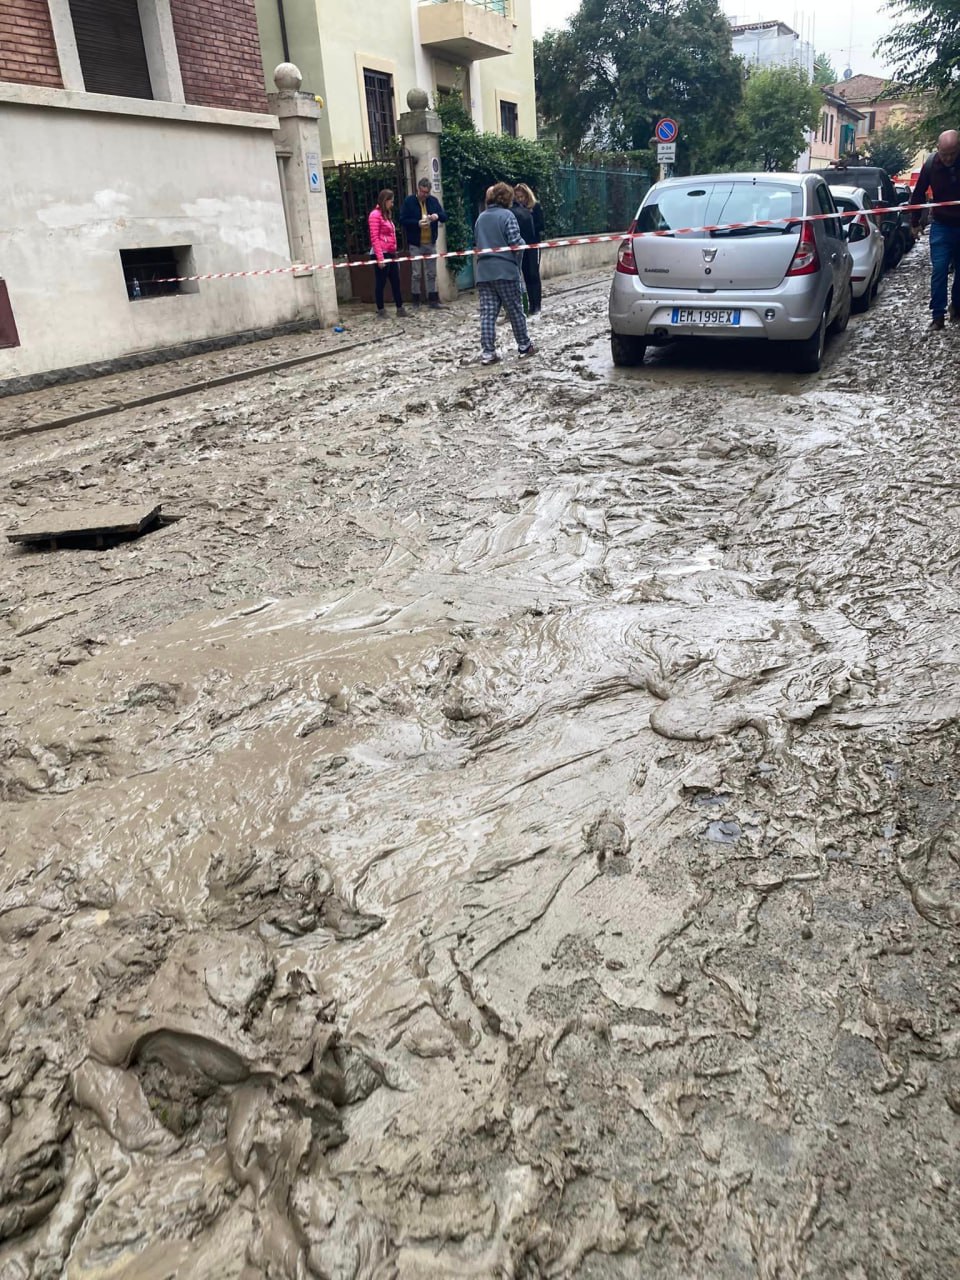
x,y
895,226
865,241
789,282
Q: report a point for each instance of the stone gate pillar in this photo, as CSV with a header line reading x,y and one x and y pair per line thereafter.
x,y
304,195
420,129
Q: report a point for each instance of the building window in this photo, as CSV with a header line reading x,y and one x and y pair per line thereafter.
x,y
148,273
823,127
110,47
378,87
8,326
830,139
509,121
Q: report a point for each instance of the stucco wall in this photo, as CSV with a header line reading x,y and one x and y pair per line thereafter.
x,y
331,43
511,77
80,185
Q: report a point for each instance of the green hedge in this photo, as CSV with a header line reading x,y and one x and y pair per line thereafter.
x,y
473,161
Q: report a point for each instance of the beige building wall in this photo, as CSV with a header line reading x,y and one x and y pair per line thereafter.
x,y
332,43
85,176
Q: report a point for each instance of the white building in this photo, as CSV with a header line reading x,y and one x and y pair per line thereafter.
x,y
774,44
137,143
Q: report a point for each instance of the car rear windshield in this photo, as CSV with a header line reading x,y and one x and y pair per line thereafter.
x,y
711,204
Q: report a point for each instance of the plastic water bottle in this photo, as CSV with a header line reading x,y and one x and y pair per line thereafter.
x,y
339,328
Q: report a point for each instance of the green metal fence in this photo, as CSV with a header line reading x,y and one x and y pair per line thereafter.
x,y
596,199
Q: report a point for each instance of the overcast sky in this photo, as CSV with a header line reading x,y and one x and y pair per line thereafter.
x,y
849,41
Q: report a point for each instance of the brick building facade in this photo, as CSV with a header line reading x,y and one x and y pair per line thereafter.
x,y
139,151
28,51
219,50
217,47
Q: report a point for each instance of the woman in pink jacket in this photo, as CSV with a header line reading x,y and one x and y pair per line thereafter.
x,y
383,245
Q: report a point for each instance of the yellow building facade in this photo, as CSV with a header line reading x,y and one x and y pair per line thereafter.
x,y
363,56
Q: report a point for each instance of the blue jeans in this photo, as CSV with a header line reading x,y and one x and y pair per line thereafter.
x,y
944,253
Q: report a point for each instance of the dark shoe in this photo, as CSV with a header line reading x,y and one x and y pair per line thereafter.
x,y
936,322
954,313
415,300
527,352
381,314
402,312
435,303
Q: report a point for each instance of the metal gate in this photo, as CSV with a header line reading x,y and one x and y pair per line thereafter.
x,y
360,182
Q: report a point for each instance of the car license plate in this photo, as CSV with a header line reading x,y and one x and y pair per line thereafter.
x,y
704,315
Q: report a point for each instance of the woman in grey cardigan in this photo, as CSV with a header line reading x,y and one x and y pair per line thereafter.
x,y
498,273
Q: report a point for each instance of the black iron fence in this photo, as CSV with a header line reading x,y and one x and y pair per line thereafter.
x,y
352,191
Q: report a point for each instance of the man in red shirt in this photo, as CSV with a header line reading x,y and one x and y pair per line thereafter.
x,y
941,176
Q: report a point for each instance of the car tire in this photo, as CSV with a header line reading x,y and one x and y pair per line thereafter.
x,y
627,350
869,295
842,318
875,287
807,355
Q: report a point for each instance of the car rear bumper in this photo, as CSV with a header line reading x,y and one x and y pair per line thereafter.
x,y
780,316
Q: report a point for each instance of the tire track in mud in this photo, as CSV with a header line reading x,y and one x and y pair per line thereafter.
x,y
508,830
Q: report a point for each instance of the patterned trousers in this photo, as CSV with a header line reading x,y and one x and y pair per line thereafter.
x,y
495,294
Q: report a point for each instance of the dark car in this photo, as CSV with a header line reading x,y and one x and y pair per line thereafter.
x,y
879,186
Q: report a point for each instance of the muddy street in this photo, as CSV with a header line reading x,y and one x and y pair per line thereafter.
x,y
503,825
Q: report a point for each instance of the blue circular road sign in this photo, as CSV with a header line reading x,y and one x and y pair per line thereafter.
x,y
667,130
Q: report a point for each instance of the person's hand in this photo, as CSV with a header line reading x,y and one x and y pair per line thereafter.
x,y
434,217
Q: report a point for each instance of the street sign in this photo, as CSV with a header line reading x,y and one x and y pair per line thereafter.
x,y
666,152
314,176
667,130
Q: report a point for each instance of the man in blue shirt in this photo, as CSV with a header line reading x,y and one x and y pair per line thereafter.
x,y
498,274
420,217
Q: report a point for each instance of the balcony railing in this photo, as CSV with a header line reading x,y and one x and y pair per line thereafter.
x,y
467,30
503,7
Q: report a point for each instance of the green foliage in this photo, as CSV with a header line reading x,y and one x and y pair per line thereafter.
x,y
779,106
622,64
473,161
893,147
824,72
924,50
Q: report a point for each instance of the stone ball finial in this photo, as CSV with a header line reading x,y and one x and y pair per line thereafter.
x,y
417,100
287,77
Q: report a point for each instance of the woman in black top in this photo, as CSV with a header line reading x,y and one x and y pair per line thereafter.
x,y
529,214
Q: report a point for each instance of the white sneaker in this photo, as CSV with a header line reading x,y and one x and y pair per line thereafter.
x,y
489,358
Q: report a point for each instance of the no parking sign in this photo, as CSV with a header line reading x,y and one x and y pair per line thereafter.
x,y
667,130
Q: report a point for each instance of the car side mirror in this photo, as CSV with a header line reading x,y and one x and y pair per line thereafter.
x,y
857,231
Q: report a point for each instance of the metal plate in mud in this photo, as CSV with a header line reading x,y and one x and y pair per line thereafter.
x,y
95,522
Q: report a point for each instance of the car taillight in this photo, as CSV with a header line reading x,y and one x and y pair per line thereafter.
x,y
806,260
626,260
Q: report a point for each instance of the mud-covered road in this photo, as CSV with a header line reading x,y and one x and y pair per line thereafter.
x,y
505,827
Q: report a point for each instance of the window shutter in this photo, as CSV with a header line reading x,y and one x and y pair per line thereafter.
x,y
110,46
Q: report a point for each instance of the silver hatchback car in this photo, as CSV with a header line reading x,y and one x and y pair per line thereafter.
x,y
789,282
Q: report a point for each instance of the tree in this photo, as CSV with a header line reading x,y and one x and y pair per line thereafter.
x,y
924,51
622,64
780,106
893,147
824,72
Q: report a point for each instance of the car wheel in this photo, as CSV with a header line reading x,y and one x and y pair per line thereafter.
x,y
875,287
627,350
842,318
807,355
861,304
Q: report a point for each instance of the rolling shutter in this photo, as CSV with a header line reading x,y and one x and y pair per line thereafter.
x,y
110,45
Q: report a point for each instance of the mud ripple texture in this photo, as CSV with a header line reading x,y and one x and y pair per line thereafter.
x,y
507,827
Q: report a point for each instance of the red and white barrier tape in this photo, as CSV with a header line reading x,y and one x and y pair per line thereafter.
x,y
564,243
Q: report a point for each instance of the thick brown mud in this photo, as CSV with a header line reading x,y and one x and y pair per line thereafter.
x,y
506,826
